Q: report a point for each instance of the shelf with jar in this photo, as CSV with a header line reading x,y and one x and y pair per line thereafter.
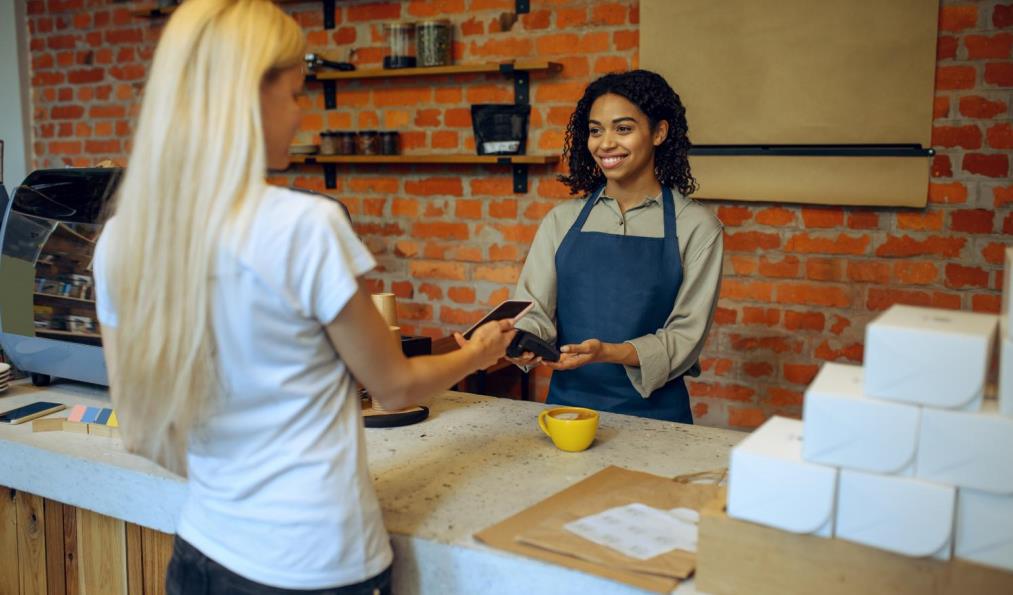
x,y
64,296
340,147
518,163
518,70
163,8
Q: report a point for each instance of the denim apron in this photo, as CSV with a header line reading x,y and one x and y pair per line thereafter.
x,y
616,288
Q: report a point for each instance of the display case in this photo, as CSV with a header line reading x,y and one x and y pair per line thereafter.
x,y
48,324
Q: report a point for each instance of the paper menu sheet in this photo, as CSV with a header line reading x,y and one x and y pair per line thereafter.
x,y
640,531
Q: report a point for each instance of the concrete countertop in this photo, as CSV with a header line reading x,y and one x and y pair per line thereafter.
x,y
474,462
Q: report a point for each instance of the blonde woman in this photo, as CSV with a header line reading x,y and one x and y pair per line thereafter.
x,y
234,318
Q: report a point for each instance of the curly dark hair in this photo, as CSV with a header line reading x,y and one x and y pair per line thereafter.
x,y
651,93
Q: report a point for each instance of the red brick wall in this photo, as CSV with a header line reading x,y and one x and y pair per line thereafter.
x,y
800,282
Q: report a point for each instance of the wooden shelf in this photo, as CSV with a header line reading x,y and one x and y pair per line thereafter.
x,y
55,333
54,296
160,12
503,67
519,163
445,159
519,70
155,12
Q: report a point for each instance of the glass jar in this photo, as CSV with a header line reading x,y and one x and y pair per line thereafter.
x,y
400,45
390,142
368,142
346,143
434,43
328,142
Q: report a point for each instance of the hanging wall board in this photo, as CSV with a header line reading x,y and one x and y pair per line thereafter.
x,y
801,73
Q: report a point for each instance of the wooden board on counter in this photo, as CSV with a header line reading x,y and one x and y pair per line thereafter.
x,y
739,557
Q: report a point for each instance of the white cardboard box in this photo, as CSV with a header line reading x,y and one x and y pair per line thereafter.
x,y
845,428
1006,375
900,514
984,530
969,450
927,356
770,484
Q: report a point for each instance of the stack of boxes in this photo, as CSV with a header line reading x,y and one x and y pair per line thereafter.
x,y
904,454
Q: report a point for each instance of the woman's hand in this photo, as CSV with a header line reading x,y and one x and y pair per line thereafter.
x,y
575,356
526,359
488,343
594,351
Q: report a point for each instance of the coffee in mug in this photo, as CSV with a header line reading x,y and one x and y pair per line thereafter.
x,y
571,428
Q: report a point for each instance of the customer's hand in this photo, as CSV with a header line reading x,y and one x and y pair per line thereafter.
x,y
526,359
489,342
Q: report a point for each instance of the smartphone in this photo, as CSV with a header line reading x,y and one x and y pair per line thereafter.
x,y
508,310
30,412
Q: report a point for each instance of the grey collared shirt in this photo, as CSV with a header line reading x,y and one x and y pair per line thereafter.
x,y
671,350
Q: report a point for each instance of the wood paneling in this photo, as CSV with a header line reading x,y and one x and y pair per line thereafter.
x,y
9,571
31,543
70,570
49,548
101,554
157,550
55,577
135,564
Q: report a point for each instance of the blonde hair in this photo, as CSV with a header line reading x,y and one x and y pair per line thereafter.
x,y
197,169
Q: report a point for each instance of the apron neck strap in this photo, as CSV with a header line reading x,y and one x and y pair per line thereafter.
x,y
584,212
667,203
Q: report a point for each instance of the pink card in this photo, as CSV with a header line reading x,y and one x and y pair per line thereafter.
x,y
77,413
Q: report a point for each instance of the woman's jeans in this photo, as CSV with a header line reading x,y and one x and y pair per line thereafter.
x,y
193,573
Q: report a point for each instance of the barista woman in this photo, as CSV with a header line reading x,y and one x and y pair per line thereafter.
x,y
625,280
234,318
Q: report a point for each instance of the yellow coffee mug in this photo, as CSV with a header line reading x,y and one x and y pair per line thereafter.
x,y
571,428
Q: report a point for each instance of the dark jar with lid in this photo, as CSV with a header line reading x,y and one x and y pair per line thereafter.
x,y
390,142
369,142
346,143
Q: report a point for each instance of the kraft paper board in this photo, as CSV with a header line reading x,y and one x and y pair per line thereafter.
x,y
796,72
542,524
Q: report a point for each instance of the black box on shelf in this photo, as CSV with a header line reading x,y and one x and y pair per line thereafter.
x,y
500,129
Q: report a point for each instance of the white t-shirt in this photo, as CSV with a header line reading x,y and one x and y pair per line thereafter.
x,y
279,490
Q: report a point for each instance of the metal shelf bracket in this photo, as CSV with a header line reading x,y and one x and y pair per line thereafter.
x,y
328,14
330,175
522,82
522,86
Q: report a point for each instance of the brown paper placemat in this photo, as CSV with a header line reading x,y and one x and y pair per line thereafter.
x,y
611,487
